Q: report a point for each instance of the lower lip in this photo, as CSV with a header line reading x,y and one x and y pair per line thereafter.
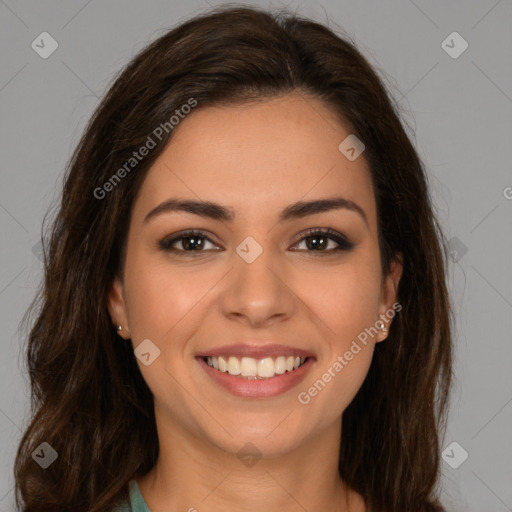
x,y
258,388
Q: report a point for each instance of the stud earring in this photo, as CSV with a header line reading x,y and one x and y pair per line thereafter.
x,y
382,326
119,329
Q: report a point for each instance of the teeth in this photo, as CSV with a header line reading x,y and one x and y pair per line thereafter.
x,y
233,366
266,367
223,365
249,367
280,365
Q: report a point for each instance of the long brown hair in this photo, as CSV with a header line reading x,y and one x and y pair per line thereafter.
x,y
89,400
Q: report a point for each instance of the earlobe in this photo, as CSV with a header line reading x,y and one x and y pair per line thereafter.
x,y
117,307
389,295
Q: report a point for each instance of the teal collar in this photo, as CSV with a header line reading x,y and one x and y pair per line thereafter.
x,y
137,503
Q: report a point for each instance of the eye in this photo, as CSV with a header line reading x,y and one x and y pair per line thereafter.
x,y
189,241
317,240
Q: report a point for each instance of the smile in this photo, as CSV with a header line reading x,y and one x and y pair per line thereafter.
x,y
261,379
251,368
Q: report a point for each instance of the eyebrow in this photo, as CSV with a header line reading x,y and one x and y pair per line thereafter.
x,y
218,212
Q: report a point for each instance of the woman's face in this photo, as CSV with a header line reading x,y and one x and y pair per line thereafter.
x,y
253,288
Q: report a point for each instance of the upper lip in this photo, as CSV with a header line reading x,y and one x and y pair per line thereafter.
x,y
255,351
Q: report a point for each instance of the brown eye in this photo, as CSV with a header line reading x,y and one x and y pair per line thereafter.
x,y
190,241
321,241
193,243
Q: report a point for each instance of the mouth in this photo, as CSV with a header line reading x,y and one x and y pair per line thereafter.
x,y
256,371
252,368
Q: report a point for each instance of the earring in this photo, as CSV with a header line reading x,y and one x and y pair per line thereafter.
x,y
382,326
119,329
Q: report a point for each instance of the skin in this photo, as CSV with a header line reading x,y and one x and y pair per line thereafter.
x,y
257,159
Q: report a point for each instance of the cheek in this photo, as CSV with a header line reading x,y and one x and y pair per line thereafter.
x,y
350,370
347,301
328,392
157,298
345,298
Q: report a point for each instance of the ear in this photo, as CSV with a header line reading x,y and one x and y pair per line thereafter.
x,y
117,307
388,295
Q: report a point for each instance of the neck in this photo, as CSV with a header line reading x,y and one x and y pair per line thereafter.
x,y
194,474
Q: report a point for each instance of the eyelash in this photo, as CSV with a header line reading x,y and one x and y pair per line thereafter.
x,y
343,243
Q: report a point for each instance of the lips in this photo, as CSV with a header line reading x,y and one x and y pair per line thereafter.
x,y
256,351
252,386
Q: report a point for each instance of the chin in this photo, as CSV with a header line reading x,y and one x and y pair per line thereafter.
x,y
267,438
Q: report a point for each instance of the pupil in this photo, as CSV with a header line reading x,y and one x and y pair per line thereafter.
x,y
315,242
192,242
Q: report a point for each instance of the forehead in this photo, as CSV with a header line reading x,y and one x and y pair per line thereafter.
x,y
259,157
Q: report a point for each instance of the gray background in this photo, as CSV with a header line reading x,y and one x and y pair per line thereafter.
x,y
460,116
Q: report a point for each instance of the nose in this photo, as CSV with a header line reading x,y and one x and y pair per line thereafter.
x,y
258,293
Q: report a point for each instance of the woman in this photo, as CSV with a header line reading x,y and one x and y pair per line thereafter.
x,y
244,300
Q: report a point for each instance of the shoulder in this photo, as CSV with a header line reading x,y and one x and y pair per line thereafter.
x,y
123,507
136,502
